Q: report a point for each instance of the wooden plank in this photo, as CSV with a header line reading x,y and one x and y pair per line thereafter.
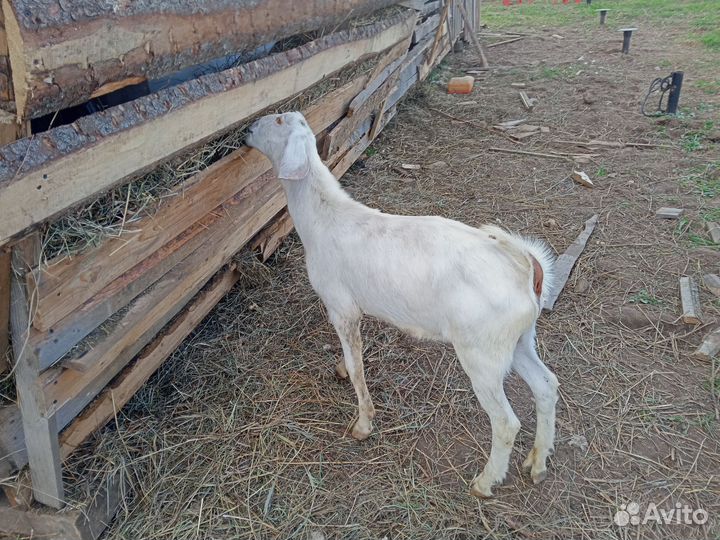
x,y
5,270
669,213
425,28
87,524
430,60
119,392
63,56
66,284
72,163
399,50
40,430
710,347
370,104
712,283
270,238
69,391
566,262
690,299
470,31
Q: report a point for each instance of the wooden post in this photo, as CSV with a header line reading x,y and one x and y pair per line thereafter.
x,y
471,32
41,433
4,309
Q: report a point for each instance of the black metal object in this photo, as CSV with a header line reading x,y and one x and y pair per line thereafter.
x,y
675,88
588,2
627,36
603,14
670,85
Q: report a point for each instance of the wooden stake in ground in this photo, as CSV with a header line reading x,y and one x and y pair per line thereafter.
x,y
566,262
690,298
473,36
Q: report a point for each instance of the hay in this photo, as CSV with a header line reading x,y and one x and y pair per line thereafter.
x,y
243,433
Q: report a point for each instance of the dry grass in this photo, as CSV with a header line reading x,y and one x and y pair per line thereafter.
x,y
244,433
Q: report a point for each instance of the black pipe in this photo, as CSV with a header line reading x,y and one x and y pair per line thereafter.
x,y
603,14
675,88
627,35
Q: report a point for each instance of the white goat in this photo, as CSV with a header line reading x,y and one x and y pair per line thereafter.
x,y
479,289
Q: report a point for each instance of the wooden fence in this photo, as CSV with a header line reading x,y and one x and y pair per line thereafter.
x,y
157,281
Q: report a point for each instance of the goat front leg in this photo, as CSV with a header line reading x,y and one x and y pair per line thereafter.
x,y
348,329
544,385
487,373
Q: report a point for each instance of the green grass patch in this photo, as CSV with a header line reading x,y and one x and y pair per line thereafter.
x,y
703,16
646,298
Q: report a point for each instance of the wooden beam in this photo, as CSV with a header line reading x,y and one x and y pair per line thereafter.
x,y
690,299
441,32
429,26
5,271
62,57
472,34
86,524
70,390
40,430
45,175
119,392
94,272
566,262
270,238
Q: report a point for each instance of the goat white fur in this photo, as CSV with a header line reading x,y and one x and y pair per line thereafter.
x,y
429,276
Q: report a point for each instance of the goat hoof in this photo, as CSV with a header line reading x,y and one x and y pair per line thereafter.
x,y
480,492
340,370
361,433
538,476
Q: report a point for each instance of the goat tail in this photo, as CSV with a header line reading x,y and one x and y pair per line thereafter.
x,y
544,255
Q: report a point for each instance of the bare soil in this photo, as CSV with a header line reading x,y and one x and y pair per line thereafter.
x,y
244,433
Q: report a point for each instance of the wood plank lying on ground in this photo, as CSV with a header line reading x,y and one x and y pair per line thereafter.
x,y
690,299
69,390
76,294
566,262
61,57
710,347
42,176
712,282
86,524
119,392
669,213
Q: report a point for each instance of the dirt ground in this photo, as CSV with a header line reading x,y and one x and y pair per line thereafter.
x,y
244,433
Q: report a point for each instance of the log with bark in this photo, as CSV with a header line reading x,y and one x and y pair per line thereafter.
x,y
43,176
62,54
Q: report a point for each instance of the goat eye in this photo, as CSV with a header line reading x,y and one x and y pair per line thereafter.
x,y
278,121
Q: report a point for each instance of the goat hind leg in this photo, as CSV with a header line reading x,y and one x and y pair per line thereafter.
x,y
543,384
348,330
486,375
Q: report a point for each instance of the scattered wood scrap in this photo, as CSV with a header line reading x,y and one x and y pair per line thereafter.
x,y
582,178
669,213
714,231
472,34
505,42
710,347
578,158
518,85
411,166
566,262
690,299
528,102
712,283
597,144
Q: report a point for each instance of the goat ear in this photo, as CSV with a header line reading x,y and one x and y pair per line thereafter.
x,y
295,162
